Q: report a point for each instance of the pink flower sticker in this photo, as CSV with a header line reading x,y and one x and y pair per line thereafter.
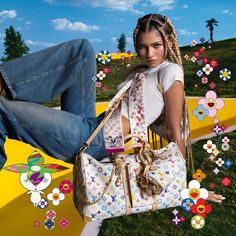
x,y
212,103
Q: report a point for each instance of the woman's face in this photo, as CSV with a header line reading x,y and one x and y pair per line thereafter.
x,y
151,48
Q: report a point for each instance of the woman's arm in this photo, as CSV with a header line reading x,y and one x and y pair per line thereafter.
x,y
174,100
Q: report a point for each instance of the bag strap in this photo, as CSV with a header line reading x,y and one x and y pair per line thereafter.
x,y
108,114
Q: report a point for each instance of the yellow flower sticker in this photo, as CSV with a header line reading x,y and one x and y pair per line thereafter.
x,y
199,175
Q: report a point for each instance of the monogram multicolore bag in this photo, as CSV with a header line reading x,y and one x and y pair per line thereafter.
x,y
129,183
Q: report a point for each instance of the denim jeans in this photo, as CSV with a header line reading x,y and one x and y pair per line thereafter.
x,y
66,70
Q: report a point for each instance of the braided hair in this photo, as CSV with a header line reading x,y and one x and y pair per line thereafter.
x,y
163,24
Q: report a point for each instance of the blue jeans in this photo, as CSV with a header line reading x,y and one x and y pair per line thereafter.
x,y
66,70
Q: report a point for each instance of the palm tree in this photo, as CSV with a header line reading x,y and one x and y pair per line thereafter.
x,y
211,23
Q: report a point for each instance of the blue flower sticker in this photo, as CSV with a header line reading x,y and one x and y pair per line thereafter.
x,y
228,163
186,204
200,112
49,224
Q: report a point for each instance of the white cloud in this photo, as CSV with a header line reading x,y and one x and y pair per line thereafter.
x,y
64,24
124,5
185,32
163,5
96,40
129,40
226,11
177,18
30,42
28,23
113,39
7,14
49,1
185,6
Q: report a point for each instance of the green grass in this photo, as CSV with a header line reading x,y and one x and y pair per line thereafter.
x,y
224,51
221,221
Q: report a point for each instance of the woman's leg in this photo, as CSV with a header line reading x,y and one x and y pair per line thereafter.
x,y
58,133
65,69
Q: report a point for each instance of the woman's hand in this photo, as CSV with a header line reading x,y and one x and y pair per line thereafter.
x,y
215,197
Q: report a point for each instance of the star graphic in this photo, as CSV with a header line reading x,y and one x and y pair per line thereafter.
x,y
175,212
216,170
217,129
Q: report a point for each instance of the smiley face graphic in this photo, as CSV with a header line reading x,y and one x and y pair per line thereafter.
x,y
210,103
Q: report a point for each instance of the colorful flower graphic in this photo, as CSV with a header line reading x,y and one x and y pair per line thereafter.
x,y
201,208
220,162
186,204
193,59
104,57
209,146
199,175
37,223
176,220
199,73
213,63
225,139
217,129
51,214
101,75
197,222
211,185
196,54
228,163
212,85
207,69
106,70
98,84
65,186
226,181
202,40
194,191
105,88
199,62
202,49
200,112
186,57
49,224
225,74
194,43
55,196
225,146
204,80
63,223
43,203
205,60
216,152
212,103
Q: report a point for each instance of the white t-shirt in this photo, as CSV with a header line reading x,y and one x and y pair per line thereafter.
x,y
168,73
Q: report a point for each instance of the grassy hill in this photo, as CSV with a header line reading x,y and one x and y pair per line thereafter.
x,y
224,51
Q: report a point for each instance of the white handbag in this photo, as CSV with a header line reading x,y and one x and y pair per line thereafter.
x,y
129,183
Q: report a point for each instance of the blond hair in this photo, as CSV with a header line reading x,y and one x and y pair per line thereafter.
x,y
166,29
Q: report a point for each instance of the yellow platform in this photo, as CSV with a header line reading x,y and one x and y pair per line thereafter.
x,y
17,214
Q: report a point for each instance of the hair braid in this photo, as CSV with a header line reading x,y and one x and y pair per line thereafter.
x,y
175,41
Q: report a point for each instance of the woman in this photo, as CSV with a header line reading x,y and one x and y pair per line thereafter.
x,y
67,70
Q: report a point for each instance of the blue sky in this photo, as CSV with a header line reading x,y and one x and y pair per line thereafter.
x,y
43,23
